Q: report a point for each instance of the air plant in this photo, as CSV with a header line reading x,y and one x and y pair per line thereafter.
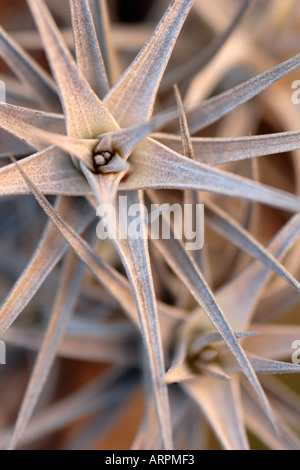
x,y
87,136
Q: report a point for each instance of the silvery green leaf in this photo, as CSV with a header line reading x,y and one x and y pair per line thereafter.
x,y
285,400
81,403
196,63
217,150
135,257
263,366
107,346
221,404
86,116
179,373
268,366
88,54
227,227
106,38
139,273
259,425
29,72
64,304
213,109
49,251
274,341
51,170
191,197
168,170
131,100
82,149
239,298
16,119
181,263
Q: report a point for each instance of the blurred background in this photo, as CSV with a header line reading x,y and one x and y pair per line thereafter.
x,y
268,35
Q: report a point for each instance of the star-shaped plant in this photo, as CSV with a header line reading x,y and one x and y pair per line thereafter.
x,y
96,138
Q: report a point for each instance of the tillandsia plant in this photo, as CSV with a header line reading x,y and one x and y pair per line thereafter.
x,y
192,329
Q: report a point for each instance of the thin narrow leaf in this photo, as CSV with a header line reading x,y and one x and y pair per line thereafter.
x,y
206,339
84,402
132,99
135,257
29,72
213,370
227,227
65,301
49,251
14,120
107,346
82,149
221,403
185,137
85,114
169,170
274,341
105,38
124,141
182,264
51,170
217,151
191,197
240,297
134,254
259,425
264,366
196,63
179,373
88,54
213,109
114,282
